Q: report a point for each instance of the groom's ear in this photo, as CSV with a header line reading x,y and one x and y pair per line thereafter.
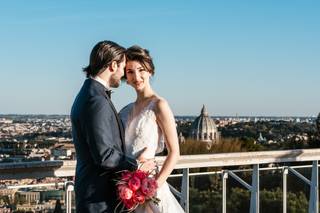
x,y
113,66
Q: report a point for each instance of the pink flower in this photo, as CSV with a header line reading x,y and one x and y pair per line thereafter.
x,y
134,188
134,183
129,204
149,187
126,175
125,193
138,197
140,174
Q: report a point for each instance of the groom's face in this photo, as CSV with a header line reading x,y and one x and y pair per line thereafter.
x,y
115,79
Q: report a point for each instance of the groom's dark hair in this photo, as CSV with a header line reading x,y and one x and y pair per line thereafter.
x,y
102,55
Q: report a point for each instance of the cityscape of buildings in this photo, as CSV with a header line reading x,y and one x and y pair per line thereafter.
x,y
48,137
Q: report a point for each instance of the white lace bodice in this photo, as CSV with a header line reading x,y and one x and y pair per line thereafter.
x,y
142,131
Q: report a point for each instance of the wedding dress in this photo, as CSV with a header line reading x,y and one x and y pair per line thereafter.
x,y
143,131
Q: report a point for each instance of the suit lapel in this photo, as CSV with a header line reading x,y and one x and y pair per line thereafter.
x,y
101,90
120,126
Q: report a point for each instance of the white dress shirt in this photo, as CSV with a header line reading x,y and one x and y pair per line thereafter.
x,y
101,81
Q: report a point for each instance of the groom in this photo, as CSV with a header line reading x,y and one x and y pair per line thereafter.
x,y
98,133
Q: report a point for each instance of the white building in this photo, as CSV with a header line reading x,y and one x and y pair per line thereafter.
x,y
204,128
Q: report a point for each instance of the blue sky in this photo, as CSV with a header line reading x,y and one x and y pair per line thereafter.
x,y
236,57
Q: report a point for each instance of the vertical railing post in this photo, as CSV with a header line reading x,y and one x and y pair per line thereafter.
x,y
254,201
314,191
69,187
224,191
185,190
284,189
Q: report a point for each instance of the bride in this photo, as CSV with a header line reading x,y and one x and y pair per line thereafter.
x,y
149,123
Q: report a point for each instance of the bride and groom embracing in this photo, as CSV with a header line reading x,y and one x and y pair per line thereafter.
x,y
107,143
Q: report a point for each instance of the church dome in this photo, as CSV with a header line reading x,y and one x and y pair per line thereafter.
x,y
203,128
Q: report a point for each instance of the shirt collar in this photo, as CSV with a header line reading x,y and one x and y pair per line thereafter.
x,y
101,81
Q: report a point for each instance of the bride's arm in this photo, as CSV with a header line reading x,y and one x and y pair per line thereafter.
x,y
165,120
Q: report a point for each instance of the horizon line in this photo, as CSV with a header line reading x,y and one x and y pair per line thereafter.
x,y
216,116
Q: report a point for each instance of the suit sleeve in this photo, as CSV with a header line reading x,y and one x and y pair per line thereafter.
x,y
100,131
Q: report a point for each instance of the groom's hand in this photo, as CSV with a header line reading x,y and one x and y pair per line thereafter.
x,y
146,164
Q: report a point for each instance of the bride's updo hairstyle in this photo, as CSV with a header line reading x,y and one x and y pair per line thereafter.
x,y
137,53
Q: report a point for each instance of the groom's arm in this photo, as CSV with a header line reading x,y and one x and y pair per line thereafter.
x,y
100,131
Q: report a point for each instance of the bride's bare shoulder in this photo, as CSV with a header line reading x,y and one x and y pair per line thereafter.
x,y
161,105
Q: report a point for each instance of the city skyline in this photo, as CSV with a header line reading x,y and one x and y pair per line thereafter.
x,y
238,58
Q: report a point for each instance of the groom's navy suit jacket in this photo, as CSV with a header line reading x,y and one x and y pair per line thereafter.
x,y
98,137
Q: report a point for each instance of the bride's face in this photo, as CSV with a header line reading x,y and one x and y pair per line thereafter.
x,y
137,76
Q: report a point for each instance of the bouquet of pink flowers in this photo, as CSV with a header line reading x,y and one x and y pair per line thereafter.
x,y
135,188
